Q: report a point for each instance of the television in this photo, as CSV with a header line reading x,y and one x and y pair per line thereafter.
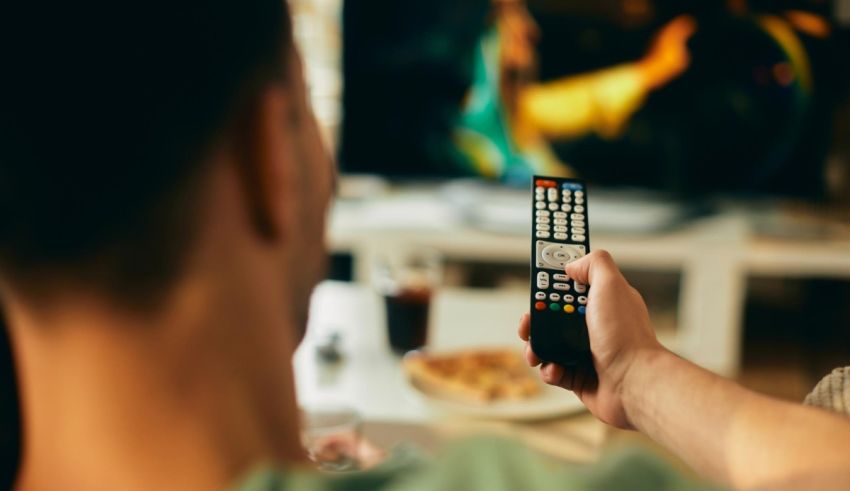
x,y
750,113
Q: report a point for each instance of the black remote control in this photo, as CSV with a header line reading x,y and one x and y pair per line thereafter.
x,y
559,236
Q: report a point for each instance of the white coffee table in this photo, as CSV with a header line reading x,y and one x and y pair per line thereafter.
x,y
369,378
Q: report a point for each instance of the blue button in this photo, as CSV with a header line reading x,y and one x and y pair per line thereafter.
x,y
582,309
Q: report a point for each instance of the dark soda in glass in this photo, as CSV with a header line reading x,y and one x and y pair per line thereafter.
x,y
407,319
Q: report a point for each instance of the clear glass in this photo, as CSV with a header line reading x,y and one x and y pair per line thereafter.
x,y
331,436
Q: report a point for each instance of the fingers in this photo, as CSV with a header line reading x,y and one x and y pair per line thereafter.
x,y
576,379
530,357
524,326
552,373
524,332
593,268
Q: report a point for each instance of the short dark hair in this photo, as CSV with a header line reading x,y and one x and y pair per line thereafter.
x,y
107,114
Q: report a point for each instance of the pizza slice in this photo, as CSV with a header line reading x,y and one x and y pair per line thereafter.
x,y
479,376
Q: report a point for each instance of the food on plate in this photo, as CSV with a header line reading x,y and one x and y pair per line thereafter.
x,y
479,375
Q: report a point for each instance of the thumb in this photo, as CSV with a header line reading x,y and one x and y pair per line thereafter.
x,y
593,268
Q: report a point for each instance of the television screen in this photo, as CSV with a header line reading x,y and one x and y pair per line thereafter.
x,y
687,97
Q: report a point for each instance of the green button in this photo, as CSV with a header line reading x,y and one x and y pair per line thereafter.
x,y
554,307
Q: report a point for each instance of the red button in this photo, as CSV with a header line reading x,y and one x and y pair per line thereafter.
x,y
540,306
546,183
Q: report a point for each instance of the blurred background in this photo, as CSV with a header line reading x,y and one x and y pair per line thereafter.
x,y
714,136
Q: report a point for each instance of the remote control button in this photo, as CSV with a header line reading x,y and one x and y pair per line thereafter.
x,y
569,298
539,306
578,230
559,214
577,216
578,238
542,284
560,221
560,236
579,201
566,208
540,295
541,213
561,277
582,310
543,220
581,287
579,194
554,297
582,300
539,189
542,226
566,192
540,205
564,287
553,206
543,275
552,193
542,235
553,255
569,309
554,307
579,209
560,228
561,255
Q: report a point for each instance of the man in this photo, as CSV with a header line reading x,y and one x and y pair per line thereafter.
x,y
163,201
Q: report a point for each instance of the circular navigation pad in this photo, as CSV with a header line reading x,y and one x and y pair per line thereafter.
x,y
559,255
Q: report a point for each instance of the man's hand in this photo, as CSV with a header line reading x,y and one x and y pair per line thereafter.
x,y
730,434
620,331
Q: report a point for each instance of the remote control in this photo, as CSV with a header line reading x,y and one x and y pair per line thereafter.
x,y
560,235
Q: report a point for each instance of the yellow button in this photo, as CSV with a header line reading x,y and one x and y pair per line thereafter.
x,y
569,309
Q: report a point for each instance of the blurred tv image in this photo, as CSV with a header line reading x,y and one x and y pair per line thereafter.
x,y
686,97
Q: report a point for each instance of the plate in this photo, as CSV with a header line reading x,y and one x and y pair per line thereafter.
x,y
550,403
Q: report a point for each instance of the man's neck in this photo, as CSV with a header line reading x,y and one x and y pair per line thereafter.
x,y
188,400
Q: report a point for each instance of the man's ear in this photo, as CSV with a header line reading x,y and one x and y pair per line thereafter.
x,y
262,149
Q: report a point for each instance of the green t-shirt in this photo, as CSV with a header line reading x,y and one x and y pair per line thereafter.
x,y
486,464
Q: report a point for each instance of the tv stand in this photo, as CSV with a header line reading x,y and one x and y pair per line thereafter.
x,y
713,255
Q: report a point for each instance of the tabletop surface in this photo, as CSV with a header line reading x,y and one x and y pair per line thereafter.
x,y
369,377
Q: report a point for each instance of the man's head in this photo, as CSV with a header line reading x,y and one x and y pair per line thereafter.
x,y
162,197
112,119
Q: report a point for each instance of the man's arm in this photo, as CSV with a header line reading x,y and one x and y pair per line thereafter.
x,y
730,434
